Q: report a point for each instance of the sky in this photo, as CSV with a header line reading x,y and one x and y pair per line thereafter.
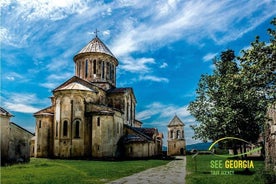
x,y
163,47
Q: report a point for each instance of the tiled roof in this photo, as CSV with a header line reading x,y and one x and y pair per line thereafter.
x,y
147,131
119,90
27,131
5,112
78,84
176,121
96,45
139,132
122,91
47,111
133,138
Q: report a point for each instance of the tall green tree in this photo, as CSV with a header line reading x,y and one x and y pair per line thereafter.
x,y
233,100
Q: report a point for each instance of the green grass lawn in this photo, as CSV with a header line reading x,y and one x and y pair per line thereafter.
x,y
73,171
202,173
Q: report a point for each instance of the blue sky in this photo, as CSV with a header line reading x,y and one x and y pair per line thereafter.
x,y
162,46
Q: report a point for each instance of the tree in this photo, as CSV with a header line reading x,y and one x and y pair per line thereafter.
x,y
233,100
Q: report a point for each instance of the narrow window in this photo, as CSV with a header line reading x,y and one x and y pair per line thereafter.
x,y
127,111
90,68
110,71
65,128
94,67
56,129
86,69
79,68
171,134
98,121
178,134
77,129
39,124
107,70
103,70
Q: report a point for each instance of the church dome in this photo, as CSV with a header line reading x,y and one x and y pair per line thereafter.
x,y
95,63
95,46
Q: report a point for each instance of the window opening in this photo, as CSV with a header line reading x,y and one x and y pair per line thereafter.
x,y
77,129
98,121
65,128
94,67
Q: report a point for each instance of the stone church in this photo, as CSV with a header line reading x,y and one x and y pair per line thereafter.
x,y
15,140
90,117
176,137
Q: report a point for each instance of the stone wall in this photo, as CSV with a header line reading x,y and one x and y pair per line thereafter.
x,y
16,147
270,139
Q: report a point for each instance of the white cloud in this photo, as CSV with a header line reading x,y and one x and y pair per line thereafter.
x,y
106,32
153,78
209,56
139,65
49,85
164,65
13,76
50,9
22,102
20,107
163,111
188,20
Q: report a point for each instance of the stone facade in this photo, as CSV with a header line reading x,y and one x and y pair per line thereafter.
x,y
270,139
89,115
15,140
176,137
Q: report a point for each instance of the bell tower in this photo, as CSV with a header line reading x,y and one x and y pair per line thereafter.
x,y
95,63
176,137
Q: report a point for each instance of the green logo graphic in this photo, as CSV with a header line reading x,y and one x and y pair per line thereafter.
x,y
234,138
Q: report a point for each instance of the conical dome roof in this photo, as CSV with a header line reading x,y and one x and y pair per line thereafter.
x,y
95,45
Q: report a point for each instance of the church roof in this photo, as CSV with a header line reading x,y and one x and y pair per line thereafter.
x,y
25,130
4,112
176,121
146,131
48,111
133,138
77,84
121,90
95,45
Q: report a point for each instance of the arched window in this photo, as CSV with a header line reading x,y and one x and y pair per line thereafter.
x,y
77,129
56,129
94,67
178,134
79,68
90,68
112,73
98,121
86,69
65,128
183,134
171,134
103,70
107,70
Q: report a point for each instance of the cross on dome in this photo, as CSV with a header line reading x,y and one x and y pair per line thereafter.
x,y
96,32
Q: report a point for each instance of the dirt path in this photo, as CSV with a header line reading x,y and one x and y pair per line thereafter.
x,y
172,173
